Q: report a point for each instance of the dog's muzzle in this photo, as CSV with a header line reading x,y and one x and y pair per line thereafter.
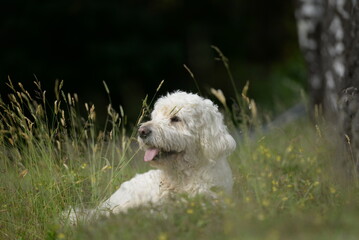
x,y
144,132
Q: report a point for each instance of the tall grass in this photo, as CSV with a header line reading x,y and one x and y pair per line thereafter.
x,y
54,156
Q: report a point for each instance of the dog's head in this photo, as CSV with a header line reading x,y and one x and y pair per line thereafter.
x,y
184,127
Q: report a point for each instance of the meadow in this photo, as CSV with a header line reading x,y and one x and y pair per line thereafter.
x,y
289,183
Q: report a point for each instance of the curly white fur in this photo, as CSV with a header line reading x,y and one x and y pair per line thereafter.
x,y
188,143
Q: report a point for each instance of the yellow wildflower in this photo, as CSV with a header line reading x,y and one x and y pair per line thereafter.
x,y
275,182
289,149
61,236
284,199
265,203
162,236
261,217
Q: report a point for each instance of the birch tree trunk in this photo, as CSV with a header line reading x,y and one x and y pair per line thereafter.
x,y
328,33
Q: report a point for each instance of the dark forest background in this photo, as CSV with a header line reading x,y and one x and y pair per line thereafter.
x,y
132,45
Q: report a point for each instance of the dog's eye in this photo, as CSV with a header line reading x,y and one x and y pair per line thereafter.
x,y
175,119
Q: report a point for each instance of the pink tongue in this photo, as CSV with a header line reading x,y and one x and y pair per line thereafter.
x,y
150,154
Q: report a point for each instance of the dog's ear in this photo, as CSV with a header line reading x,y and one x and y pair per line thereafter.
x,y
215,140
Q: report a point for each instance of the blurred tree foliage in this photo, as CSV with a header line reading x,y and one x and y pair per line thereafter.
x,y
133,45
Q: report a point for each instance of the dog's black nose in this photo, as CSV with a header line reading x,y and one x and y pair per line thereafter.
x,y
144,132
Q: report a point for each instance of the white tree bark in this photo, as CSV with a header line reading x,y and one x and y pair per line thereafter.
x,y
309,14
328,33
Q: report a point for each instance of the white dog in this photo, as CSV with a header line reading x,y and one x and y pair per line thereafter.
x,y
188,143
